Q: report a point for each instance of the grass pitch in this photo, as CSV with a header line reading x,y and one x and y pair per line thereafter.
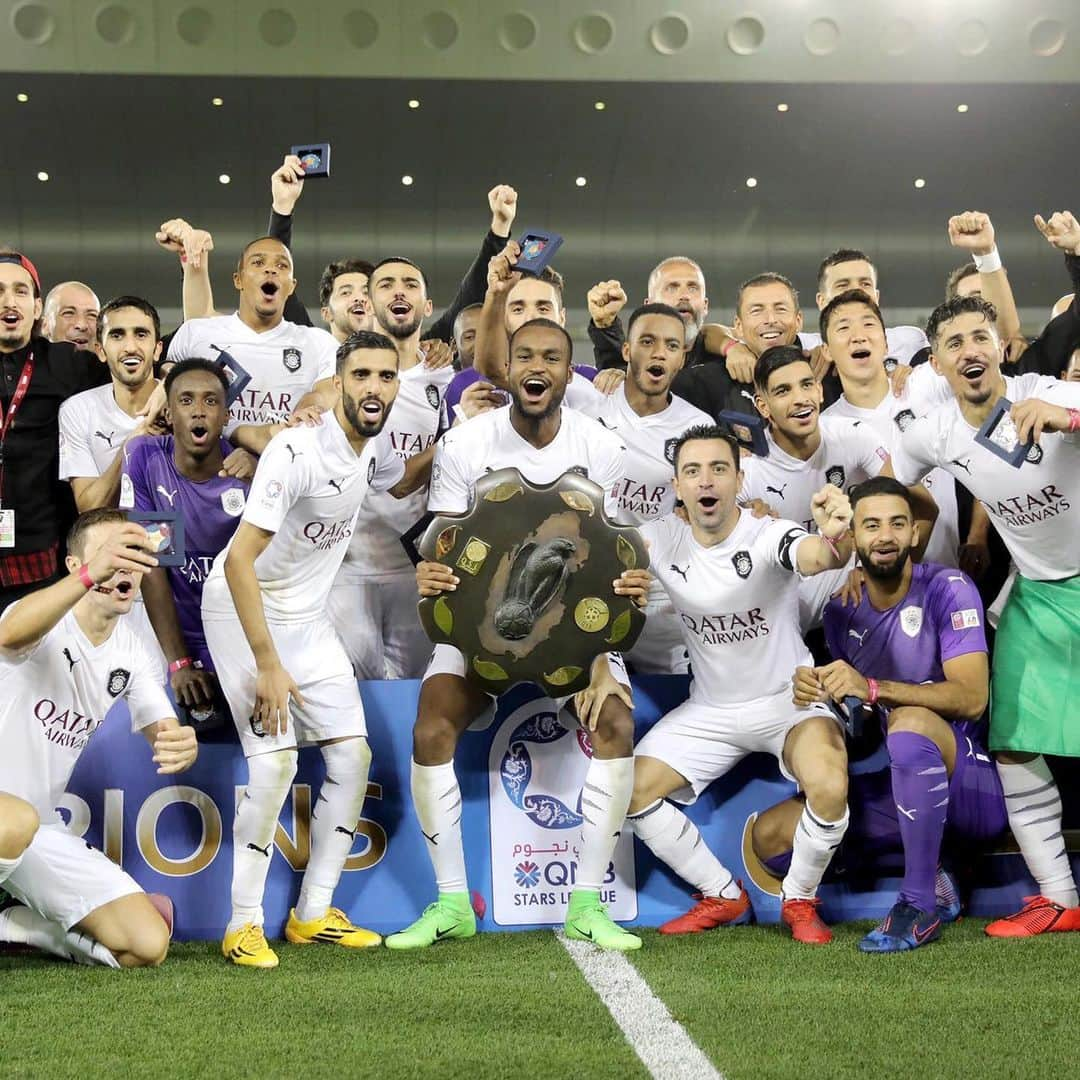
x,y
514,1005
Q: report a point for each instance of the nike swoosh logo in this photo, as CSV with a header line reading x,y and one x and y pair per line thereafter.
x,y
442,931
920,937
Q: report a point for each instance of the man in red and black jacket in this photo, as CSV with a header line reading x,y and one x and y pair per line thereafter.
x,y
36,376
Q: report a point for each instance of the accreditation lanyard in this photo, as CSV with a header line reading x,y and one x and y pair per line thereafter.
x,y
16,400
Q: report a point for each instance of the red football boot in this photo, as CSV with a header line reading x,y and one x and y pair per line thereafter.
x,y
1037,916
710,912
802,919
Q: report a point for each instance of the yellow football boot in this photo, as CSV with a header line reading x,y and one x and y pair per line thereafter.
x,y
247,947
333,928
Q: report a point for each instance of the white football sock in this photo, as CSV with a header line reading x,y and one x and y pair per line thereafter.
x,y
269,779
1033,802
333,823
24,926
815,842
605,798
8,867
437,799
674,839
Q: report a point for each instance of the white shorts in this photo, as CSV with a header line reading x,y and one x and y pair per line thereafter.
x,y
702,742
379,625
65,879
449,660
313,655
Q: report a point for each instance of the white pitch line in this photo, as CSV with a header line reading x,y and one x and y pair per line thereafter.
x,y
661,1042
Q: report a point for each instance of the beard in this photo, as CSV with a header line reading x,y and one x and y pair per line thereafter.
x,y
692,324
401,331
363,427
888,572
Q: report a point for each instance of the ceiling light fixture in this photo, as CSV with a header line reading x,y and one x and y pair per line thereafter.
x,y
22,99
217,102
43,176
782,107
751,181
581,181
599,106
407,180
224,178
414,103
961,108
920,183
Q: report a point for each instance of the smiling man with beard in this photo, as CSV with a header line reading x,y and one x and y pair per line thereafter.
x,y
285,361
373,603
264,614
914,649
1036,509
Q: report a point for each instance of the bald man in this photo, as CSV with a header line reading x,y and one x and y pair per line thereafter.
x,y
71,314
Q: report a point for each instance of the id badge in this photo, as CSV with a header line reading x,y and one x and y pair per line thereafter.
x,y
7,528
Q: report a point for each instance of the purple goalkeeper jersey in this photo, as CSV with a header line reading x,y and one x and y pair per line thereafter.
x,y
941,617
210,510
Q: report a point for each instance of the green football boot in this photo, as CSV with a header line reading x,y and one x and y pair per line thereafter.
x,y
450,917
587,920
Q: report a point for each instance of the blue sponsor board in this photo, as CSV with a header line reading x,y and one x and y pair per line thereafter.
x,y
174,834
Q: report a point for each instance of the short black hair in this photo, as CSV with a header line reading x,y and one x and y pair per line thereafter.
x,y
195,363
399,259
361,339
335,269
258,240
136,302
652,309
768,278
842,255
772,359
952,282
952,309
881,485
102,515
548,324
706,433
848,296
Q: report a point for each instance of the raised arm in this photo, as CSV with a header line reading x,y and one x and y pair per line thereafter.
x,y
973,232
286,187
491,355
831,548
193,246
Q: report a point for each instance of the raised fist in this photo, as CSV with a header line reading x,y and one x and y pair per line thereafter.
x,y
503,202
972,231
286,185
606,299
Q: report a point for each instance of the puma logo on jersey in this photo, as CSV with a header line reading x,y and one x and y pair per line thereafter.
x,y
909,814
107,438
857,636
72,661
336,484
262,850
777,491
955,577
972,753
963,463
351,833
293,454
677,570
170,495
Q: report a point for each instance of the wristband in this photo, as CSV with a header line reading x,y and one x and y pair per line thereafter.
x,y
84,576
728,345
1074,420
872,691
988,263
177,665
832,546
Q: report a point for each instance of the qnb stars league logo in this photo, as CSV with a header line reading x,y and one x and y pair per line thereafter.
x,y
527,874
546,810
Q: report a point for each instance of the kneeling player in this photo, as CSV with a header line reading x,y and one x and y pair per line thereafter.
x,y
65,657
540,437
914,647
733,579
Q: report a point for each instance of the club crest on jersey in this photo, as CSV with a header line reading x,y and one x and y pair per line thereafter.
x,y
669,450
903,419
890,364
431,392
232,502
743,563
1034,454
290,357
118,680
836,476
911,620
257,728
371,470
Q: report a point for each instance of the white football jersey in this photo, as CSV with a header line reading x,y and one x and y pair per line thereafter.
x,y
375,551
903,342
738,603
284,363
646,490
489,442
1036,508
92,427
56,695
307,491
849,454
924,390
